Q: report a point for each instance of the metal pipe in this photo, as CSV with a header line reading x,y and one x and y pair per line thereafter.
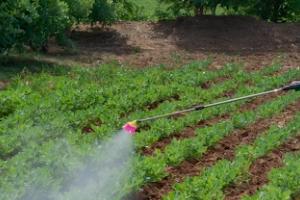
x,y
131,127
201,107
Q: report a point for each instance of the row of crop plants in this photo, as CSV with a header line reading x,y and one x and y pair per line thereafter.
x,y
153,168
75,100
43,114
40,156
284,182
14,141
24,132
66,89
33,152
224,172
165,127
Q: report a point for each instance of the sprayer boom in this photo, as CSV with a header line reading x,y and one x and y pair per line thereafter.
x,y
131,127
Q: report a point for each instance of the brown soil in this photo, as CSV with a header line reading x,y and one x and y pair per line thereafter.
x,y
259,170
209,84
186,133
224,39
222,150
3,84
88,128
155,104
190,131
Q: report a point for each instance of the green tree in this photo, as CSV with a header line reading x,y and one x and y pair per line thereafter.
x,y
273,10
9,31
52,20
197,6
32,23
102,12
79,10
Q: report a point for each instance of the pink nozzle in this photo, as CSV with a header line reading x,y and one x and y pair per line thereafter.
x,y
130,128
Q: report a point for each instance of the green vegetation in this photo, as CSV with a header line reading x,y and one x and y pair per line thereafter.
x,y
32,24
284,182
224,171
49,122
276,11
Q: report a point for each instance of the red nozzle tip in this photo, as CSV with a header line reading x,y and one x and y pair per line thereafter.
x,y
130,127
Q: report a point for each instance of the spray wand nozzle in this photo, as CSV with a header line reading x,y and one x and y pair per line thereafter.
x,y
131,127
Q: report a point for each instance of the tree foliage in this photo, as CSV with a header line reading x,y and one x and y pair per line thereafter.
x,y
32,23
276,11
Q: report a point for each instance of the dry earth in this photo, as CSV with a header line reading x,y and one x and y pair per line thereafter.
x,y
224,39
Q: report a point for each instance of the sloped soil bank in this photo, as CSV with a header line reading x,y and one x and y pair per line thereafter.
x,y
222,38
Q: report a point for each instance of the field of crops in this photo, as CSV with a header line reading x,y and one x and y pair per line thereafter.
x,y
50,123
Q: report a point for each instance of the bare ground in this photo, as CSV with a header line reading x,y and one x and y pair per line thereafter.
x,y
222,150
223,39
3,84
258,173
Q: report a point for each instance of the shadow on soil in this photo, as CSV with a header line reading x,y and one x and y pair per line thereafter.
x,y
230,34
102,41
11,66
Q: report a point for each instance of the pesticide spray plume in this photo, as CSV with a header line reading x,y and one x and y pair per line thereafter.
x,y
131,127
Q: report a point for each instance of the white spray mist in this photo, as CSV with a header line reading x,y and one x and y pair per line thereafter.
x,y
102,177
105,175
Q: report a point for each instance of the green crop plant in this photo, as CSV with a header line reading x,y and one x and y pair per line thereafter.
x,y
42,139
283,183
180,150
145,138
62,99
224,172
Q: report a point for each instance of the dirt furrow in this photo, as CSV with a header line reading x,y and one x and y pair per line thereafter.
x,y
186,133
189,132
222,150
258,173
208,84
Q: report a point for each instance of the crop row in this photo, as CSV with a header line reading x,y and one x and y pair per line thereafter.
x,y
50,109
13,141
17,140
165,127
64,90
40,157
225,172
152,168
33,157
283,182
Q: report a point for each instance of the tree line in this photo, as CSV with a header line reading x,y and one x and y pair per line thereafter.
x,y
32,23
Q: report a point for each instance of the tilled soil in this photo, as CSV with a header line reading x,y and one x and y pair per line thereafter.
x,y
258,173
186,133
189,132
222,150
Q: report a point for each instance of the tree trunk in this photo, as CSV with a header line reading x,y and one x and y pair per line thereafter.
x,y
45,47
199,11
277,10
214,11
